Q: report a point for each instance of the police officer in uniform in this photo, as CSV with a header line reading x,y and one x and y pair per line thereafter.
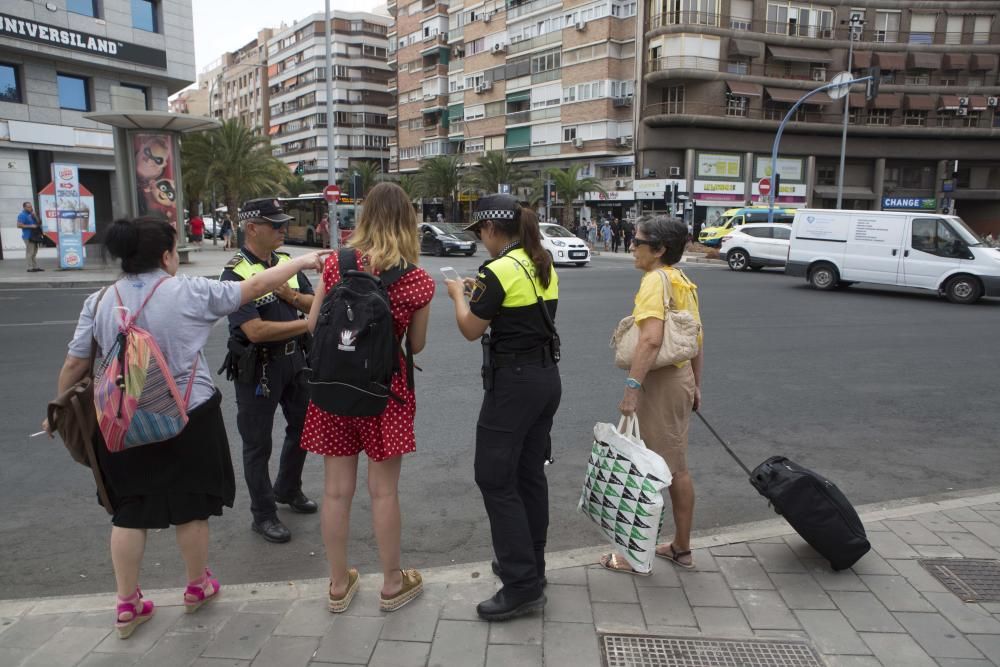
x,y
514,295
266,360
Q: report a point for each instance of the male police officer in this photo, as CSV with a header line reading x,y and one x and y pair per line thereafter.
x,y
267,360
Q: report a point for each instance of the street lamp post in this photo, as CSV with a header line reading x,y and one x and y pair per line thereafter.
x,y
331,167
853,24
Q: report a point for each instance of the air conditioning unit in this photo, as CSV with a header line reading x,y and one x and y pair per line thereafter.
x,y
499,47
963,101
578,142
619,183
621,102
487,18
624,142
484,86
992,101
581,25
675,171
962,111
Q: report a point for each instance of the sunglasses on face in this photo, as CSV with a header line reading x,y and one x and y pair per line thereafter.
x,y
153,158
645,242
274,225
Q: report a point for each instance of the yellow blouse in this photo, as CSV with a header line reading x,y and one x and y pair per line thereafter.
x,y
649,299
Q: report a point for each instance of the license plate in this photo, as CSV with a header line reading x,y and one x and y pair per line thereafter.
x,y
577,254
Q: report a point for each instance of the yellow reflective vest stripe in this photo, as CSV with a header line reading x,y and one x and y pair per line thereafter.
x,y
518,291
246,269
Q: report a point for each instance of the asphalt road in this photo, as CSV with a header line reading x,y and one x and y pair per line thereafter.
x,y
889,393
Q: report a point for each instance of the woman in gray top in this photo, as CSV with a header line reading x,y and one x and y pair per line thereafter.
x,y
184,480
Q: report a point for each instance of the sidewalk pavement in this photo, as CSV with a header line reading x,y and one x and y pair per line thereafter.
x,y
757,587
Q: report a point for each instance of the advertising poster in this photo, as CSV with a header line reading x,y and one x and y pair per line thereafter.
x,y
67,214
790,169
719,165
155,175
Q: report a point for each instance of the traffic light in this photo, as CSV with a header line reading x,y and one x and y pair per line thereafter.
x,y
356,185
871,92
300,169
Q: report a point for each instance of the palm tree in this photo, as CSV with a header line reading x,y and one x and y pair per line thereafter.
x,y
569,185
410,185
440,176
195,170
370,172
494,169
294,185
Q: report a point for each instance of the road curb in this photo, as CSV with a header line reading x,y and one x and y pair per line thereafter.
x,y
71,284
474,572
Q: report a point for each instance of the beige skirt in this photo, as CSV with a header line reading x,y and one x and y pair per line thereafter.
x,y
665,404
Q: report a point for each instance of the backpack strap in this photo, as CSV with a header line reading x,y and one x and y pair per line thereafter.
x,y
144,301
388,278
394,274
347,260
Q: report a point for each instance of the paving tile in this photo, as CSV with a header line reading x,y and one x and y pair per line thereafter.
x,y
722,622
800,591
744,573
738,549
830,580
33,631
66,646
791,635
992,515
707,589
968,617
800,547
416,621
461,599
987,532
865,613
992,607
889,545
220,662
521,630
765,610
703,560
963,514
895,650
961,662
570,644
242,637
400,654
851,661
618,617
459,644
100,619
913,532
937,522
268,606
664,574
177,649
937,636
933,551
351,639
777,557
144,637
769,540
966,544
305,618
208,619
507,656
571,576
875,527
896,593
107,660
664,606
568,604
286,652
872,563
830,632
989,645
13,657
607,586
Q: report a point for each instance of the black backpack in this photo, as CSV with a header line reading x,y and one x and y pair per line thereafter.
x,y
355,351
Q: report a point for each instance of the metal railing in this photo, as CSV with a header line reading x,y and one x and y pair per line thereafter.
x,y
528,8
531,115
548,38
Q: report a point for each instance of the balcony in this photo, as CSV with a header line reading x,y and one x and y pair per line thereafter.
x,y
529,8
532,115
554,37
456,65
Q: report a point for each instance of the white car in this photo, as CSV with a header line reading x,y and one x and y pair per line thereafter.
x,y
756,245
564,247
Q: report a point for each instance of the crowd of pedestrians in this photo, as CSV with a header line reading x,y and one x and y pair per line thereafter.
x,y
612,234
272,308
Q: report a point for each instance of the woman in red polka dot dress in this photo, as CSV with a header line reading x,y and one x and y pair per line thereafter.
x,y
386,237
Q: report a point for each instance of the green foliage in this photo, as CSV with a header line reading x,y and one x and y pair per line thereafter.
x,y
569,185
440,176
494,169
371,173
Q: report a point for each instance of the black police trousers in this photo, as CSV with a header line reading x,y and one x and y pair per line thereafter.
x,y
512,440
255,421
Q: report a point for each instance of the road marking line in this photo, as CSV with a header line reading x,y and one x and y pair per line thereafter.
x,y
36,324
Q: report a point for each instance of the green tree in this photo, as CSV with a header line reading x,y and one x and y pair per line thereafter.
x,y
494,169
410,185
370,172
294,185
440,176
569,185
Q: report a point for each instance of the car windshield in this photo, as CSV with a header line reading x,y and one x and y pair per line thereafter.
x,y
452,229
969,236
556,232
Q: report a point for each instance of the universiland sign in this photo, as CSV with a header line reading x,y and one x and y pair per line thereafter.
x,y
43,33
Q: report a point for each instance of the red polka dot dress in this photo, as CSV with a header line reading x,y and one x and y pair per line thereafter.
x,y
391,433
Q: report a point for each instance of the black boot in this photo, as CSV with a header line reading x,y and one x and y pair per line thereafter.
x,y
299,503
505,605
495,565
272,530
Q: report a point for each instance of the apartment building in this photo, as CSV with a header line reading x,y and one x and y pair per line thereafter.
x,y
60,60
550,82
235,85
296,64
716,77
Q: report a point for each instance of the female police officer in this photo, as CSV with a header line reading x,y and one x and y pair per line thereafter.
x,y
515,295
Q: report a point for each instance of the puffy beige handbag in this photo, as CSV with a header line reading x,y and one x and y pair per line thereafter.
x,y
680,335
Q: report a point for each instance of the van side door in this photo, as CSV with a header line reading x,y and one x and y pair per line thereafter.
x,y
874,248
933,249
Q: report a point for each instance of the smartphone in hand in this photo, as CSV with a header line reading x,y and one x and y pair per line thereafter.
x,y
450,273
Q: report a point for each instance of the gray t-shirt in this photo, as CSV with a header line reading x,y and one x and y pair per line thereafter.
x,y
179,316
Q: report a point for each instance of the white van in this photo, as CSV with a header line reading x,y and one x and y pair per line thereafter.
x,y
930,251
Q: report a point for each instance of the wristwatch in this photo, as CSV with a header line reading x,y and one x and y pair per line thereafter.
x,y
632,383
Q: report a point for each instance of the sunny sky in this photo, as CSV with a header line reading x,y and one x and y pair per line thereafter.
x,y
226,25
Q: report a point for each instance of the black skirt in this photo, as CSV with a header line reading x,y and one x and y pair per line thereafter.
x,y
189,477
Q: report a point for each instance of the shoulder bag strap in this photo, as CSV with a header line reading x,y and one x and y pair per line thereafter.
x,y
539,300
93,333
668,295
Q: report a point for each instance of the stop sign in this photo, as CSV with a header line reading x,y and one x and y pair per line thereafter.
x,y
331,193
764,185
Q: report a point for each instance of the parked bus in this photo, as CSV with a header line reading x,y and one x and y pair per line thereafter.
x,y
306,212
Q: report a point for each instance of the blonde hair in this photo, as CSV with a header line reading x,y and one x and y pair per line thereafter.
x,y
387,230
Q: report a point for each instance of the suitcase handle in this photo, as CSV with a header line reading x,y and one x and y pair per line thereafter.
x,y
723,443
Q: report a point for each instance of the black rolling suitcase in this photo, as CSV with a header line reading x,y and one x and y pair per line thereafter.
x,y
812,505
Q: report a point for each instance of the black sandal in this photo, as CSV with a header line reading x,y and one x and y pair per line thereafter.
x,y
674,557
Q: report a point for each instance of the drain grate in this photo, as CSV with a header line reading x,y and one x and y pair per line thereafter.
x,y
641,651
971,579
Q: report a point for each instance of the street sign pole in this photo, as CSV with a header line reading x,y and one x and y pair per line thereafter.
x,y
331,165
854,23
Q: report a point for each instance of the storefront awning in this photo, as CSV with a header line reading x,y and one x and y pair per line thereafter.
x,y
746,48
918,102
948,102
982,62
955,61
923,60
743,89
797,55
977,102
892,62
888,101
791,96
850,191
862,60
520,96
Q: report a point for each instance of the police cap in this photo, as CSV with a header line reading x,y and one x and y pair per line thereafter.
x,y
493,207
265,209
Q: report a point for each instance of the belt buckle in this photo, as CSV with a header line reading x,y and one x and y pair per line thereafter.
x,y
289,347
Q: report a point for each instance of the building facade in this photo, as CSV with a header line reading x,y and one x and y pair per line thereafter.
x,y
236,85
296,64
62,59
550,82
717,77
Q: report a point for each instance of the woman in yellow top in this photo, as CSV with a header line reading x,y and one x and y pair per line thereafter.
x,y
664,398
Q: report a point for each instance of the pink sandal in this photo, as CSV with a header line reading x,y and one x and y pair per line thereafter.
x,y
201,590
132,611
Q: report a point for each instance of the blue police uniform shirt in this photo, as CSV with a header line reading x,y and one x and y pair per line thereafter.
x,y
269,308
26,218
